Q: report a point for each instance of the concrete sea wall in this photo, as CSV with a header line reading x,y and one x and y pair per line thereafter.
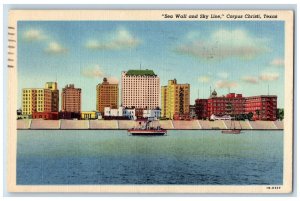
x,y
36,124
74,124
103,124
42,124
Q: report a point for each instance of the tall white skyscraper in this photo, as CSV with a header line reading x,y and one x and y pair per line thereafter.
x,y
140,89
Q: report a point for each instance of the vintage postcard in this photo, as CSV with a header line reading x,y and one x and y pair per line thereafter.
x,y
153,101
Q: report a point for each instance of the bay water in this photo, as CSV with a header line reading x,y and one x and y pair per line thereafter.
x,y
191,157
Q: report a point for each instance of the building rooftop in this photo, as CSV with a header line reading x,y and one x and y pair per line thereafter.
x,y
257,96
69,86
32,88
140,72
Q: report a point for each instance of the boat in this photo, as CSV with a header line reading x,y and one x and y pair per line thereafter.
x,y
232,129
147,128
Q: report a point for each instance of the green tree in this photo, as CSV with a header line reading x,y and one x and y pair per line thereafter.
x,y
280,114
241,117
250,116
257,113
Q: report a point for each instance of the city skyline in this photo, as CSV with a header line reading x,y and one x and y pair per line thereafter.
x,y
203,54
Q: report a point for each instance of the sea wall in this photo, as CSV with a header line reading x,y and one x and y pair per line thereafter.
x,y
104,124
36,124
74,124
42,124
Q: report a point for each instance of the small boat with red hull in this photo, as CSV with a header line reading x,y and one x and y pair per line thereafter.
x,y
147,129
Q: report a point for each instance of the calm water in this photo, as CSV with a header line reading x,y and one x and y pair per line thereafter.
x,y
181,157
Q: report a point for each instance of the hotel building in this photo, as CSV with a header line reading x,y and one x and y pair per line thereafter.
x,y
201,108
140,89
175,100
36,100
262,107
54,95
107,95
231,104
40,99
71,99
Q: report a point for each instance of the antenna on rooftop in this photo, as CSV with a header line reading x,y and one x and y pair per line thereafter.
x,y
268,90
198,93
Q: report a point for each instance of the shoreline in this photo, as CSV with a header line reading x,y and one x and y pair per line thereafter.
x,y
166,129
39,124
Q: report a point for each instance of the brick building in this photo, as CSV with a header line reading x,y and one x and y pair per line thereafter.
x,y
41,102
45,115
201,108
71,99
36,100
231,104
107,96
262,107
52,86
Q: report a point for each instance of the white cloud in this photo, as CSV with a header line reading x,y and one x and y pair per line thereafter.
x,y
278,62
222,44
268,76
120,39
225,84
97,72
55,48
250,79
92,44
113,80
223,75
204,79
92,72
34,35
52,47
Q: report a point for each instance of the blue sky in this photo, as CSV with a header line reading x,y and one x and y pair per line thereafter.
x,y
240,56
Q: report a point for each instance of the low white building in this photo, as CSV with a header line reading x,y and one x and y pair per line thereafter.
x,y
155,114
215,117
98,115
130,113
24,116
113,112
120,112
